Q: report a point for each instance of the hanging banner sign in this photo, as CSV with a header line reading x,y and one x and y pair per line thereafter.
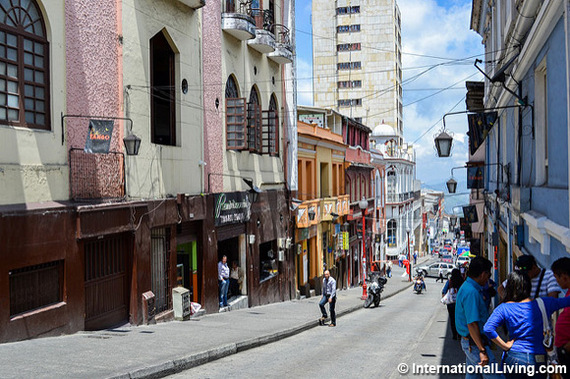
x,y
470,213
99,136
479,126
231,208
475,177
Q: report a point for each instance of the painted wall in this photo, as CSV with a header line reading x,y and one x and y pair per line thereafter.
x,y
33,163
161,170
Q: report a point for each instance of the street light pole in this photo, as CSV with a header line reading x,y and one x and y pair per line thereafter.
x,y
363,205
409,257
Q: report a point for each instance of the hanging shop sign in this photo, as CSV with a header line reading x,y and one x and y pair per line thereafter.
x,y
470,213
99,136
479,126
231,208
475,177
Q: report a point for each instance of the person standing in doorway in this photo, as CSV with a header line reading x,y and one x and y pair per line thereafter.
x,y
223,280
329,296
236,279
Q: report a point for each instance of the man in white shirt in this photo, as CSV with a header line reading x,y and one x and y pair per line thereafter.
x,y
223,280
329,296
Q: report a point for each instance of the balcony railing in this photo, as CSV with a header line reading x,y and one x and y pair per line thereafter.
x,y
283,53
96,176
264,40
238,19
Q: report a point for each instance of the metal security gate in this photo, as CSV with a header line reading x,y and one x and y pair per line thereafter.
x,y
160,262
106,283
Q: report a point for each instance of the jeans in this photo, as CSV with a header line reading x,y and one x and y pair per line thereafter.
x,y
472,359
451,311
513,358
322,303
223,284
389,272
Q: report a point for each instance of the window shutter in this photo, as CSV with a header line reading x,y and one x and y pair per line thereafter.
x,y
270,133
235,124
254,127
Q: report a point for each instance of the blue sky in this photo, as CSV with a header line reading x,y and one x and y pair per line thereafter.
x,y
430,28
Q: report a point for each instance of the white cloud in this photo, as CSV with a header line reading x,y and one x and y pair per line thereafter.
x,y
432,29
304,82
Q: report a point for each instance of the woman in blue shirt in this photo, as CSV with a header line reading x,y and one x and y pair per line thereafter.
x,y
523,319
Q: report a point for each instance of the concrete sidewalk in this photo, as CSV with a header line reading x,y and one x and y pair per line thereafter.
x,y
152,351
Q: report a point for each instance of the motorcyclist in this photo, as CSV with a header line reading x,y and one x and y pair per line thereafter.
x,y
420,276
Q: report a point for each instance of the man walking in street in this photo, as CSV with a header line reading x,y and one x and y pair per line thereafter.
x,y
223,280
471,313
329,296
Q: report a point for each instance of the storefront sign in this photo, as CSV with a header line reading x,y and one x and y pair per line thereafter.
x,y
99,136
231,208
317,119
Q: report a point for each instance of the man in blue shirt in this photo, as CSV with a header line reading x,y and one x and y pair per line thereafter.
x,y
329,296
471,313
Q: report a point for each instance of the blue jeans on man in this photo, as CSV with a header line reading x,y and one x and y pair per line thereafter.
x,y
224,285
472,359
324,300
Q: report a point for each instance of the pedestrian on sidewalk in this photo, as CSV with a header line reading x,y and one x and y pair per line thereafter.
x,y
452,286
389,269
223,280
542,280
524,321
415,257
561,270
471,313
329,296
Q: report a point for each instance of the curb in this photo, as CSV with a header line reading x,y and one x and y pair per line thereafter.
x,y
197,359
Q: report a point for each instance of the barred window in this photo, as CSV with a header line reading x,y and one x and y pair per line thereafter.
x,y
348,47
36,286
24,66
349,102
270,129
235,117
349,66
350,84
254,121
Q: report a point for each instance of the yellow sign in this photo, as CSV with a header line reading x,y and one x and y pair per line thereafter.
x,y
345,240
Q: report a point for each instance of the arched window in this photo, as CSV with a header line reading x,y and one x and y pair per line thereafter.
x,y
254,121
270,129
235,117
392,233
163,99
24,69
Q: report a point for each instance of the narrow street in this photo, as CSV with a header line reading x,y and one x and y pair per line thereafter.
x,y
407,328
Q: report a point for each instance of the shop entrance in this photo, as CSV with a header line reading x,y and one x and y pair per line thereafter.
x,y
235,249
187,274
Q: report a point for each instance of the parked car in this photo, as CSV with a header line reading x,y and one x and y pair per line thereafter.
x,y
433,269
460,261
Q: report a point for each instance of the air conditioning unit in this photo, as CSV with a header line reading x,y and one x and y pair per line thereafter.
x,y
281,255
288,243
281,243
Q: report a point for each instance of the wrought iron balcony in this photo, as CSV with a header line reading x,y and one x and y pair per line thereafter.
x,y
283,53
264,40
237,19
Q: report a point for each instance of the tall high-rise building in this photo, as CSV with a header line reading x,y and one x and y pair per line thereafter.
x,y
357,60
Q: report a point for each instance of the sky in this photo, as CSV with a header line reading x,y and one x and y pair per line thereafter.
x,y
434,32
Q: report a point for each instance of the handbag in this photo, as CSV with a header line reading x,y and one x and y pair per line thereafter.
x,y
548,340
449,297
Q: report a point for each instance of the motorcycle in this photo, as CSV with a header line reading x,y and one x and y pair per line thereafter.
x,y
375,285
419,284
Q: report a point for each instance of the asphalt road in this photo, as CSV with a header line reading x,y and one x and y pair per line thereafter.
x,y
370,343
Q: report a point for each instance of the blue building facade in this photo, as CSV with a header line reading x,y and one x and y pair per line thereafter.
x,y
525,149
